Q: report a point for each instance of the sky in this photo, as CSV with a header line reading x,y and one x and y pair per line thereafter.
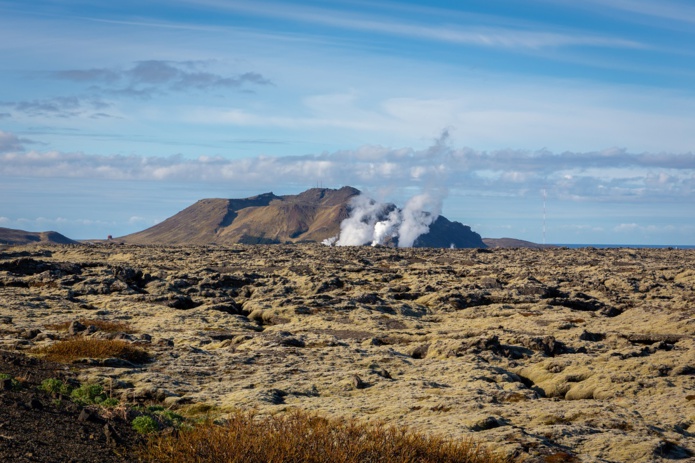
x,y
546,120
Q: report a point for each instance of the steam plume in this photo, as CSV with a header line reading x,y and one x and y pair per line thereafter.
x,y
377,223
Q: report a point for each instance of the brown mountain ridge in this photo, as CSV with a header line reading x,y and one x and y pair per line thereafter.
x,y
312,216
14,237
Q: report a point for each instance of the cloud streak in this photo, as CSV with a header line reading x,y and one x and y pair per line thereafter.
x,y
490,37
608,175
62,107
148,77
663,9
9,142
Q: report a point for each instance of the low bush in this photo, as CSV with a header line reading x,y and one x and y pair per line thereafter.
x,y
78,348
145,424
14,384
300,437
88,394
55,387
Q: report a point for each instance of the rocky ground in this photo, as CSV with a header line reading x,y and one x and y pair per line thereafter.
x,y
38,427
549,354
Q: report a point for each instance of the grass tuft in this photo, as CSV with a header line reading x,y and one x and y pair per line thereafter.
x,y
301,437
74,349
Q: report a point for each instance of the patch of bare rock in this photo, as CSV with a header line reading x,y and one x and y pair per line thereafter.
x,y
587,354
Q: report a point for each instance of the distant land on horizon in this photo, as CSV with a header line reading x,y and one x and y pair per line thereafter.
x,y
315,215
12,237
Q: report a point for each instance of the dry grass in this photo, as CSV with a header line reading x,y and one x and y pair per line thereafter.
x,y
300,437
73,349
103,325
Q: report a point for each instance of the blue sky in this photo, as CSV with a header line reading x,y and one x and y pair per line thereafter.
x,y
116,115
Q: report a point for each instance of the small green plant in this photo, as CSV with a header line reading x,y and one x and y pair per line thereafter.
x,y
110,402
88,394
170,418
14,384
55,387
145,424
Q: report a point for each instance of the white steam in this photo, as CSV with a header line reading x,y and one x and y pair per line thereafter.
x,y
375,223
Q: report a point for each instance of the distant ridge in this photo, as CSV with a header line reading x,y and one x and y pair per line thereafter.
x,y
312,216
514,243
13,237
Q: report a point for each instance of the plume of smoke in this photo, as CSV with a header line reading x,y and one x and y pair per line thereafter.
x,y
416,217
358,228
386,229
377,223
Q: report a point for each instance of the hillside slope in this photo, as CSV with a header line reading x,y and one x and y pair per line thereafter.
x,y
312,216
11,236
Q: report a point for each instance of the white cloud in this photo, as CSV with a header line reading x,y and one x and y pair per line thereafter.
x,y
599,176
9,142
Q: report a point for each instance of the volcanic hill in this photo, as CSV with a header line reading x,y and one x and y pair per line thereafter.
x,y
11,236
311,216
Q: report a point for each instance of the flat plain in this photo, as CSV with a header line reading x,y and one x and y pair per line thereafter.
x,y
545,354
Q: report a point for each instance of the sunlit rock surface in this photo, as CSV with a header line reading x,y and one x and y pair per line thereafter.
x,y
541,352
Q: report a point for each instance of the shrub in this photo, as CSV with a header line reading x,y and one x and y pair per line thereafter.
x,y
55,387
145,424
170,418
300,437
110,402
74,349
88,394
14,384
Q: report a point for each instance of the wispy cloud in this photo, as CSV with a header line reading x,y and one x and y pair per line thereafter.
x,y
63,107
144,80
610,175
9,142
441,31
149,77
664,9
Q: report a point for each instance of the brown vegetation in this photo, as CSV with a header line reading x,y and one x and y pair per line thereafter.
x,y
307,438
74,349
102,325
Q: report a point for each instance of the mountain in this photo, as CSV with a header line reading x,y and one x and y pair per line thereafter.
x,y
447,234
312,216
10,236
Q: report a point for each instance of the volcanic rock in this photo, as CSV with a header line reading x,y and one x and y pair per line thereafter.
x,y
514,347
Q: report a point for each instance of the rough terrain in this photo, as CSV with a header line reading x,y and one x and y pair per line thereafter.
x,y
549,354
37,427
